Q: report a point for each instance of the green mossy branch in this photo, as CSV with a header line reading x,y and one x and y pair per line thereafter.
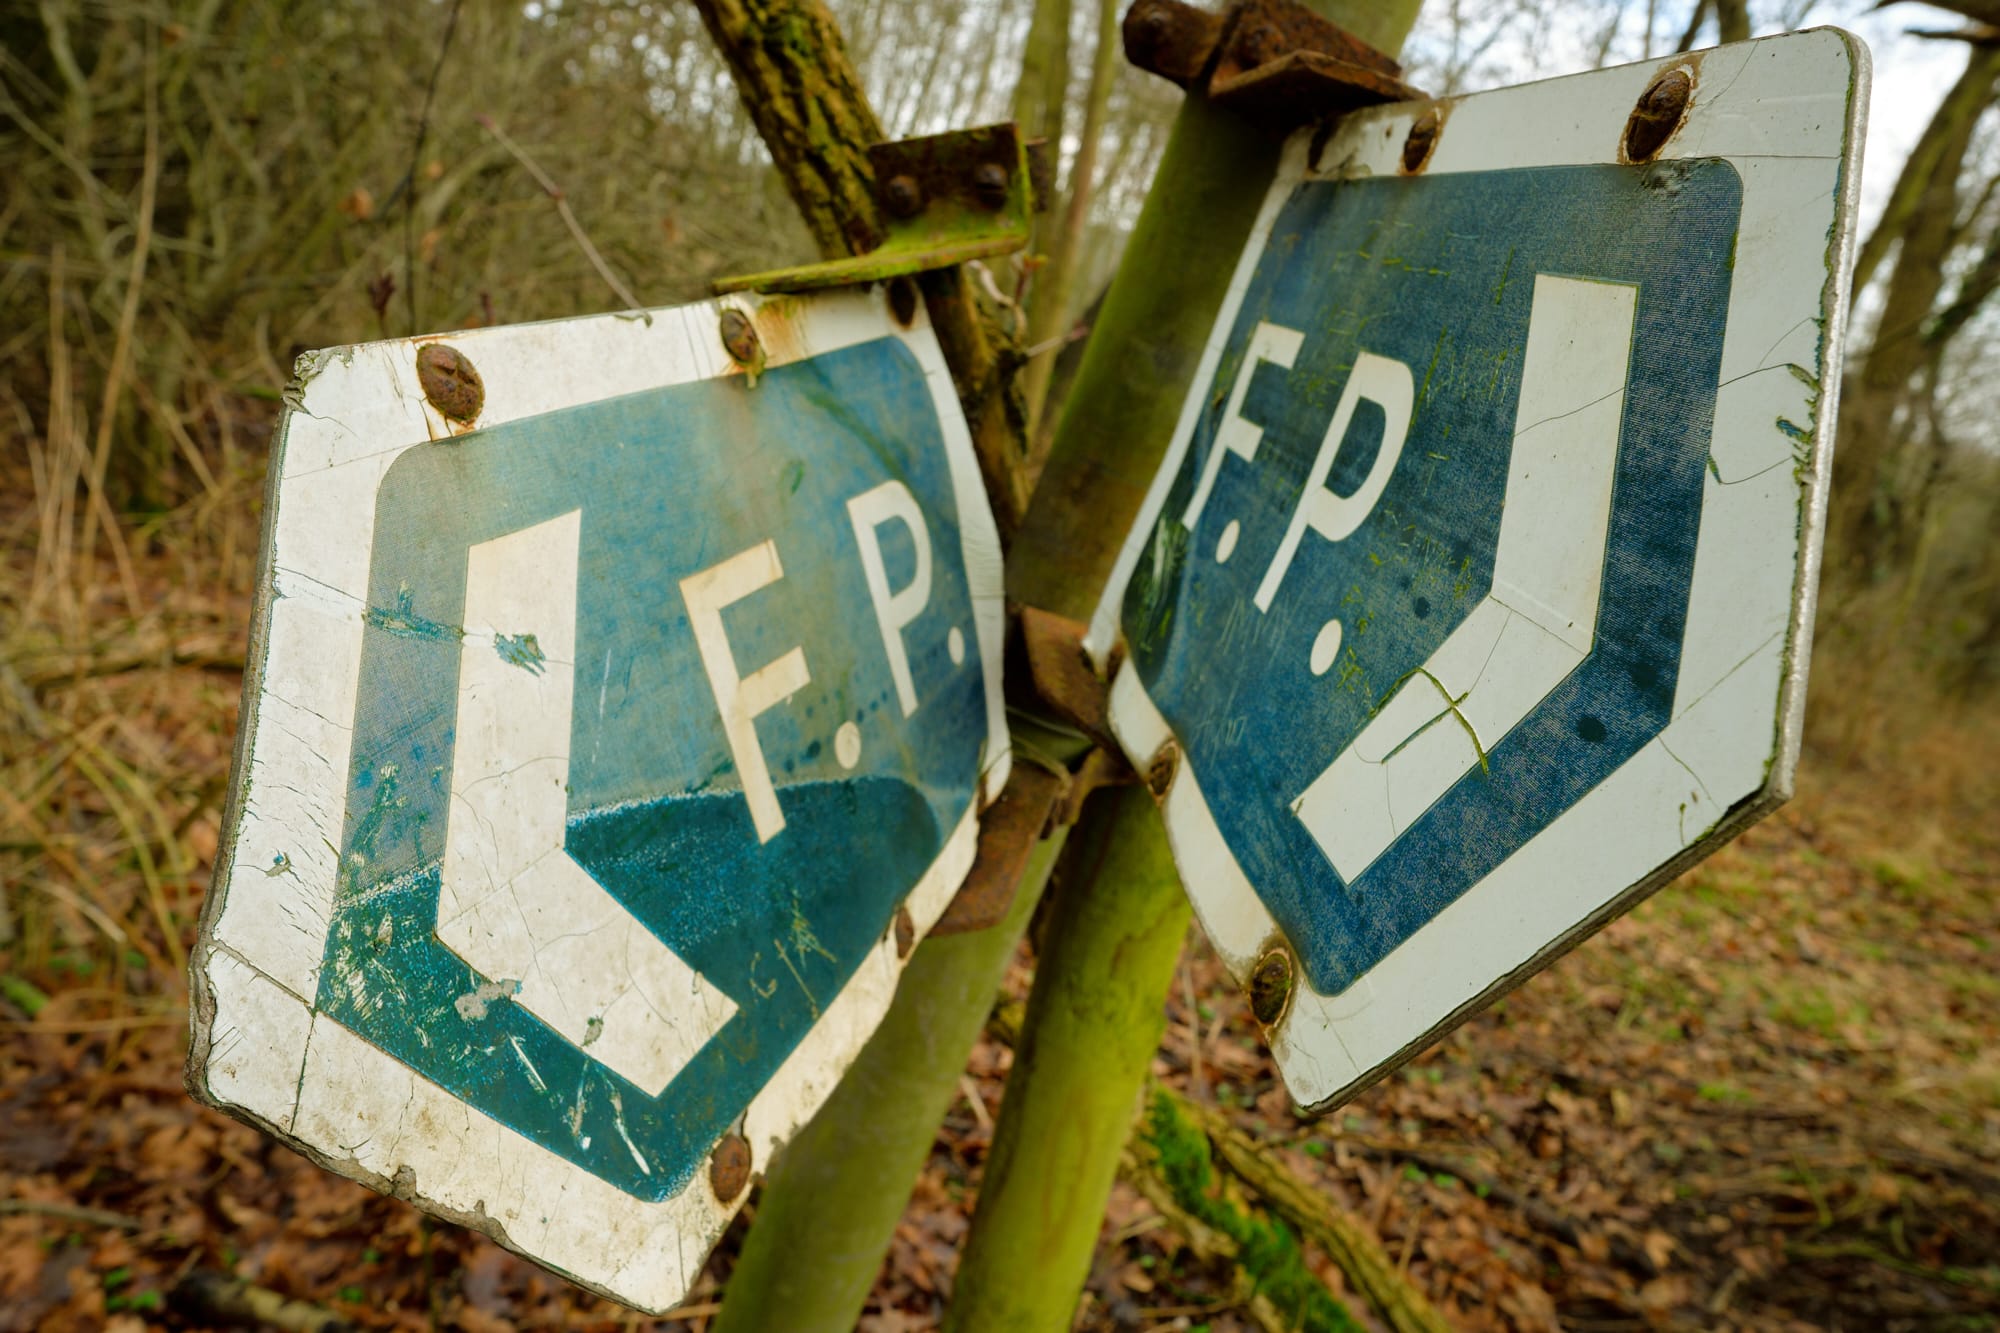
x,y
1114,929
1252,1170
1266,1250
803,94
798,83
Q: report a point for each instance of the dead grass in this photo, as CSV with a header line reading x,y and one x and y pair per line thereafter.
x,y
117,713
196,193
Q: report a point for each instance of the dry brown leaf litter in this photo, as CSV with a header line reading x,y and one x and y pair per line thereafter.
x,y
1768,1099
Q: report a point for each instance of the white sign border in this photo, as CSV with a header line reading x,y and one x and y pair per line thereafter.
x,y
1763,518
258,1047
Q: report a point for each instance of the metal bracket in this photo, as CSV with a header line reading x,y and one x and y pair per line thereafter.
x,y
1045,789
1008,833
1061,675
1272,60
946,198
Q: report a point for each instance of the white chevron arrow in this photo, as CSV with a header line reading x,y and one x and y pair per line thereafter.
x,y
1540,619
514,905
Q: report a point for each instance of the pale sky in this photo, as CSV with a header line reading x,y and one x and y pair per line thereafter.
x,y
1911,75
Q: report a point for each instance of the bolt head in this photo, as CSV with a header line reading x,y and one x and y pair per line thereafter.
x,y
1422,141
729,1167
989,184
902,196
450,381
1659,112
739,338
1271,986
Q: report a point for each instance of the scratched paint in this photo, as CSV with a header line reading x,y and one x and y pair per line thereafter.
x,y
656,811
591,754
521,650
1476,588
1438,273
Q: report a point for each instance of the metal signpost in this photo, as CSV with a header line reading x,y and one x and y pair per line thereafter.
x,y
624,692
1473,598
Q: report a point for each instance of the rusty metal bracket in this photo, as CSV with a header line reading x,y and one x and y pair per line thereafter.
x,y
1061,675
1035,802
1274,61
1046,789
946,198
1100,768
1008,832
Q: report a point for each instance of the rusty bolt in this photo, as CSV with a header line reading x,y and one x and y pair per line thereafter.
x,y
1271,986
903,299
1659,113
989,184
729,1167
450,381
906,933
1422,142
1160,773
902,196
1261,45
739,338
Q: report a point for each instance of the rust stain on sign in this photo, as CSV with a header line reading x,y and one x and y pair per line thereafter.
x,y
450,381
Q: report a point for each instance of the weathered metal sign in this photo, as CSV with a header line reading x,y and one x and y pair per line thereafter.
x,y
1474,596
605,750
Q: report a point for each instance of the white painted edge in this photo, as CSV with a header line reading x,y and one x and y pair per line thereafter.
x,y
1761,537
258,1050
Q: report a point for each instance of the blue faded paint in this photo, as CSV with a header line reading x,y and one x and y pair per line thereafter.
x,y
1439,274
669,482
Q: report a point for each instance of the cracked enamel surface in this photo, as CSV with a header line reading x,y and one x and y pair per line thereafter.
x,y
277,989
1783,115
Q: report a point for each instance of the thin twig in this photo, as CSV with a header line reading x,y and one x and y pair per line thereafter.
x,y
976,1103
55,489
416,160
55,670
699,1310
90,911
69,1212
128,317
83,1025
1057,342
555,192
1695,20
220,1298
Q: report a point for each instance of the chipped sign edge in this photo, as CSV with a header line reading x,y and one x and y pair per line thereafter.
x,y
644,1255
1369,143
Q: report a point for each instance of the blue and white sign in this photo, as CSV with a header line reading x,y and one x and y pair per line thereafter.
x,y
1476,588
592,751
